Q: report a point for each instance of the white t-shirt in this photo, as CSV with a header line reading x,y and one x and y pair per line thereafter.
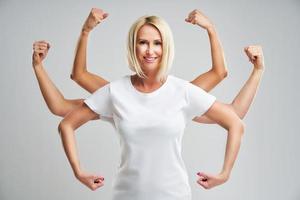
x,y
150,127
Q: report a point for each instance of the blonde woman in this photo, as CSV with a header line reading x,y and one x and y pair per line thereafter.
x,y
149,110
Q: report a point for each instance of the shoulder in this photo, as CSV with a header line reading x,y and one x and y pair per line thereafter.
x,y
177,81
120,86
187,87
107,88
119,82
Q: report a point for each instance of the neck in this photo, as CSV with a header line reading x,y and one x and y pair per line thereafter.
x,y
147,83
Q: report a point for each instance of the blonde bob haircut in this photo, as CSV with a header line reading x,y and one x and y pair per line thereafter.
x,y
167,46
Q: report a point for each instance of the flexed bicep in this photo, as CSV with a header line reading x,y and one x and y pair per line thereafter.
x,y
87,80
243,100
207,81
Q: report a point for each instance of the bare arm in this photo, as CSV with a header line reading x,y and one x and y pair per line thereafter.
x,y
80,75
54,99
242,102
67,126
218,72
226,118
245,97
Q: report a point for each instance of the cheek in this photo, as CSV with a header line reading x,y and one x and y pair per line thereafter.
x,y
140,50
158,50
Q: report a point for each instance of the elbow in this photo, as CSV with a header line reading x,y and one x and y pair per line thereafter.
x,y
77,76
237,127
241,127
221,74
224,73
59,128
74,77
62,127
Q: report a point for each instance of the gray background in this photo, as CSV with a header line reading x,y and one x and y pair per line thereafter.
x,y
33,163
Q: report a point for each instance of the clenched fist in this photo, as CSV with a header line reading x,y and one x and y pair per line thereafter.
x,y
95,17
255,55
40,50
198,18
91,181
209,181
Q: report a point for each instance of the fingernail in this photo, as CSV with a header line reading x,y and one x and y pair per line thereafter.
x,y
102,179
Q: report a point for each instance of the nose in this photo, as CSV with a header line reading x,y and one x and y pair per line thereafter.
x,y
150,49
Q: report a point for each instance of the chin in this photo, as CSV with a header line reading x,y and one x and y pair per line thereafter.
x,y
150,67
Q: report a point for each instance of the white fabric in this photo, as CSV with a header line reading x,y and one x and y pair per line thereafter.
x,y
150,127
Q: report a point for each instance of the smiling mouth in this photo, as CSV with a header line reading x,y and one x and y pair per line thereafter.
x,y
150,59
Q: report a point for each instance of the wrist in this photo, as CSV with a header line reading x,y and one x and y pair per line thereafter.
x,y
76,168
77,173
258,70
225,175
211,29
84,32
37,65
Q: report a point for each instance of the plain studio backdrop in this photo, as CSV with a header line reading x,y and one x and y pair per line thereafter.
x,y
33,163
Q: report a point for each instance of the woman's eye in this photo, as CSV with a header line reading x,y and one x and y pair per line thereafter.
x,y
157,43
142,42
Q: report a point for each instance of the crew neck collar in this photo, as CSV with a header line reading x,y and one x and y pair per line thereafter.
x,y
147,94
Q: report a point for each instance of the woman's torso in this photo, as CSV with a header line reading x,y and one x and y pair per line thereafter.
x,y
150,127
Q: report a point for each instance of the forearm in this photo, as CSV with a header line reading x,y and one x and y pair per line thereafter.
x,y
69,145
80,75
208,80
79,65
52,96
243,100
217,53
234,138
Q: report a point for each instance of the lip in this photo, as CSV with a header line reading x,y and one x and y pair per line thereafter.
x,y
150,59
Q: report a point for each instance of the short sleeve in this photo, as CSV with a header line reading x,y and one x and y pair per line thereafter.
x,y
100,102
198,101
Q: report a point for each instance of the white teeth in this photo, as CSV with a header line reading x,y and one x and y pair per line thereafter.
x,y
149,59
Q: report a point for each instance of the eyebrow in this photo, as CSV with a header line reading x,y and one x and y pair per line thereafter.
x,y
147,40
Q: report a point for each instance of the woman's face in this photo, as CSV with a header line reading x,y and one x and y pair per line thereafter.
x,y
149,48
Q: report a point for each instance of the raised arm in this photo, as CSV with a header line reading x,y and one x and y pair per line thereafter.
x,y
80,74
245,97
218,71
56,102
242,102
226,118
66,128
